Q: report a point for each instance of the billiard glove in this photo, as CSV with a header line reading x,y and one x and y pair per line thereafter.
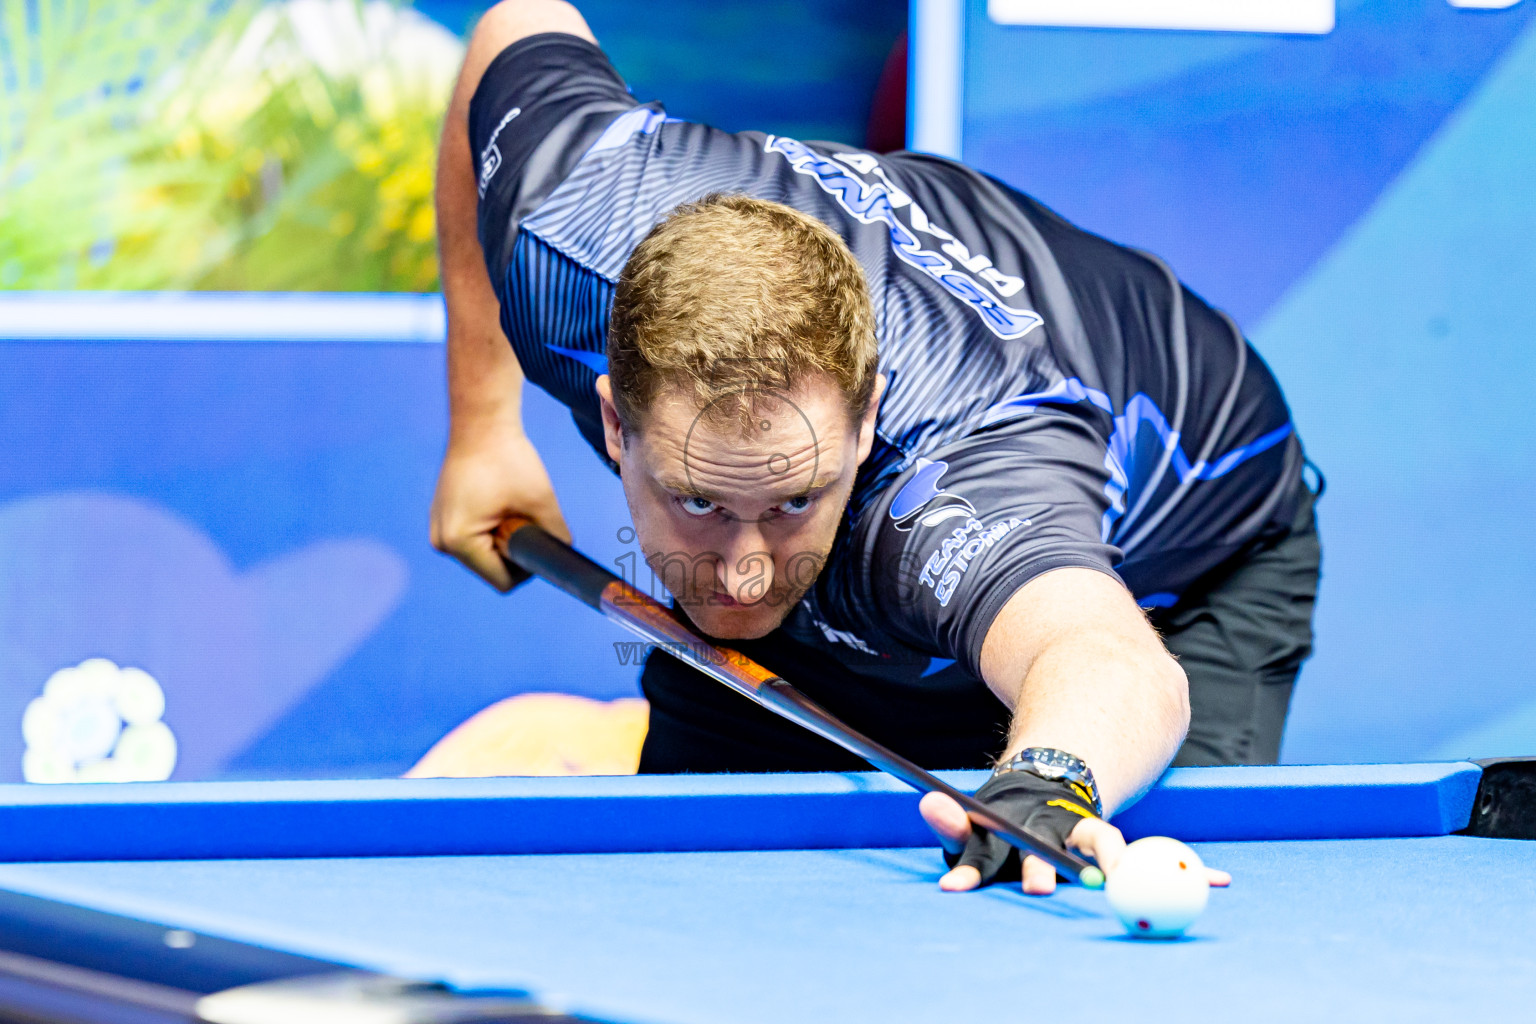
x,y
1050,808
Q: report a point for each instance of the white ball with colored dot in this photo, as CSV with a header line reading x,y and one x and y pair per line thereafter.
x,y
1158,888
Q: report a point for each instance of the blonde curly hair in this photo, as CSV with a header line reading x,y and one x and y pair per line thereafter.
x,y
731,298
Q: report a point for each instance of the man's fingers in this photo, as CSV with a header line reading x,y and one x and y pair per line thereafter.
x,y
953,827
492,475
1039,877
948,821
962,879
979,857
1097,838
479,553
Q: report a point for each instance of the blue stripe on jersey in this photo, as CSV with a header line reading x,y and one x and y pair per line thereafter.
x,y
875,203
1120,456
1237,456
595,361
555,313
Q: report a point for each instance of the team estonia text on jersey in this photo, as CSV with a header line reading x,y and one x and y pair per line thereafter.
x,y
1053,398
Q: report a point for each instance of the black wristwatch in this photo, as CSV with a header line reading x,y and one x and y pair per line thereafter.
x,y
1048,763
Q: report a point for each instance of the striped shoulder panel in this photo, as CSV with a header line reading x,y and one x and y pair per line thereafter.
x,y
643,167
555,314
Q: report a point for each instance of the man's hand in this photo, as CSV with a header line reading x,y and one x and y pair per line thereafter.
x,y
482,482
1092,837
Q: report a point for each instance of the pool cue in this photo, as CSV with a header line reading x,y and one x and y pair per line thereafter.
x,y
529,547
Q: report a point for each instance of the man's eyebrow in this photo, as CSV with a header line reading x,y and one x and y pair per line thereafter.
x,y
685,488
818,485
693,491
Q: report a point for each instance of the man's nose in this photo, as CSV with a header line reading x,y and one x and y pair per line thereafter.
x,y
745,568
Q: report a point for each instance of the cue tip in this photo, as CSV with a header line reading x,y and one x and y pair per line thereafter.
x,y
1091,877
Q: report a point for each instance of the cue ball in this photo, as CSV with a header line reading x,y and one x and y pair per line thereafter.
x,y
1158,888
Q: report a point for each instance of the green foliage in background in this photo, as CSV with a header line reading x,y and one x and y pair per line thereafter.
x,y
153,144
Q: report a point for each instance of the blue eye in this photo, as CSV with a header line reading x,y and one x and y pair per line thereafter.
x,y
698,506
796,506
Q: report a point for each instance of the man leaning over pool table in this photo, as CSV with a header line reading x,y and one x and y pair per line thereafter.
x,y
993,490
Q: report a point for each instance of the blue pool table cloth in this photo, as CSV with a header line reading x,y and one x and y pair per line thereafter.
x,y
1404,928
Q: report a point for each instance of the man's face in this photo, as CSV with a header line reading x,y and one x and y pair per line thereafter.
x,y
737,524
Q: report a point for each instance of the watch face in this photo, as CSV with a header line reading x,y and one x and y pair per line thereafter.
x,y
1056,764
1055,760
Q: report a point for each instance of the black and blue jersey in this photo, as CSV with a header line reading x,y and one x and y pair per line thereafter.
x,y
1053,399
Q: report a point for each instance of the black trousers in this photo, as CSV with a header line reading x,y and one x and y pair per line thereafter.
x,y
1241,635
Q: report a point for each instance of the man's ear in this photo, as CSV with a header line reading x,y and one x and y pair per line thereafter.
x,y
613,429
867,424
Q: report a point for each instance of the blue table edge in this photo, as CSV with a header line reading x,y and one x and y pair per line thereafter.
x,y
655,813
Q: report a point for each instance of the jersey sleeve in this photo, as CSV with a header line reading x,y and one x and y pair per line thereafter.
x,y
960,533
539,107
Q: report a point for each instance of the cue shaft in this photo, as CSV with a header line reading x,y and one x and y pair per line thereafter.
x,y
529,547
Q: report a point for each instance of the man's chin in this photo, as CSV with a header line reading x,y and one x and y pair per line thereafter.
x,y
743,622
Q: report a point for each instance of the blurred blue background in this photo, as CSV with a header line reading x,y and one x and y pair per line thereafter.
x,y
247,520
803,68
